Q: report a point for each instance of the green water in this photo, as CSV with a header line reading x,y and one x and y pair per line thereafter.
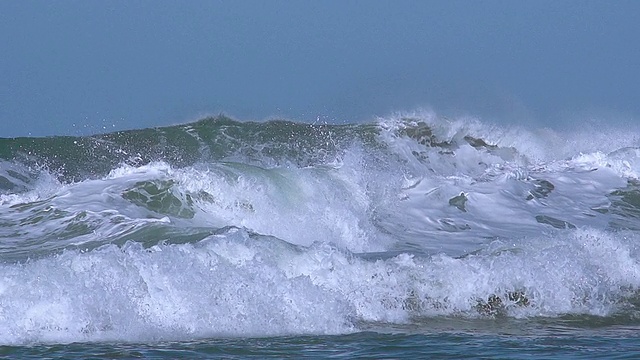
x,y
558,343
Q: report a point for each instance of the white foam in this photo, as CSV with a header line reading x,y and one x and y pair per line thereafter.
x,y
497,183
404,190
232,285
538,219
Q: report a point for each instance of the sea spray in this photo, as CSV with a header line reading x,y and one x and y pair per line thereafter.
x,y
224,228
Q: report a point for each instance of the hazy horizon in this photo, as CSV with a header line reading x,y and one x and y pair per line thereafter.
x,y
74,68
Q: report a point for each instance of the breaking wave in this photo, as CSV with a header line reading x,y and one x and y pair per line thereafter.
x,y
227,228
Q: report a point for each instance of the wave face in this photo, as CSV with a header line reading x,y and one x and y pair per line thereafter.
x,y
226,228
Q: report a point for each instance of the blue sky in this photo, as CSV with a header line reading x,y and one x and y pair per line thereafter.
x,y
80,67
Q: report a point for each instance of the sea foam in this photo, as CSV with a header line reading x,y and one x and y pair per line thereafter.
x,y
245,229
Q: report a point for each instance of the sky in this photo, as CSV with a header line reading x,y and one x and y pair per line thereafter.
x,y
83,67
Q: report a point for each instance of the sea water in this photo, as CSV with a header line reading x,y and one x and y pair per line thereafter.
x,y
410,236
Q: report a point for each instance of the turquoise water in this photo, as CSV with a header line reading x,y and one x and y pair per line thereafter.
x,y
412,236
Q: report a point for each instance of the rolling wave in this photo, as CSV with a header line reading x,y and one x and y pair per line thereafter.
x,y
227,228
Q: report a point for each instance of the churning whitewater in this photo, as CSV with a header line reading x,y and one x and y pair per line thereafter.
x,y
227,228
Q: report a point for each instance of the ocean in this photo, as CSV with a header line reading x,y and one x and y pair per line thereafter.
x,y
411,236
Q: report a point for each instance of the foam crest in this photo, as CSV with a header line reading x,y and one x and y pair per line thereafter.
x,y
164,292
238,284
537,145
331,203
439,185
